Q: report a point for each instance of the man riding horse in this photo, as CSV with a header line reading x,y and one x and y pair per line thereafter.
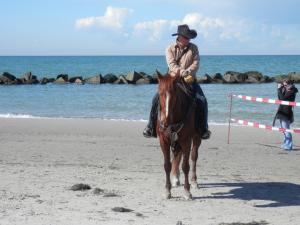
x,y
182,59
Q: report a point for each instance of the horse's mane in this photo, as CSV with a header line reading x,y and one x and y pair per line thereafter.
x,y
166,83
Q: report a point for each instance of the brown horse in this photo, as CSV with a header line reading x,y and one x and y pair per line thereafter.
x,y
176,131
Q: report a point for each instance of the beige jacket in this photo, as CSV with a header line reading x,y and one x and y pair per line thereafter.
x,y
189,62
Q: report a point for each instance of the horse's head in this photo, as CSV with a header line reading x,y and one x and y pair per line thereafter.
x,y
167,97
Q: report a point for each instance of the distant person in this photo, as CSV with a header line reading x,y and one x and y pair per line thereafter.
x,y
286,92
182,58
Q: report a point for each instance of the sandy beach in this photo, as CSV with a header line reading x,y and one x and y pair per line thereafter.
x,y
249,180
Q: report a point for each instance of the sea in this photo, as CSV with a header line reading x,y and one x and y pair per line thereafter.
x,y
133,102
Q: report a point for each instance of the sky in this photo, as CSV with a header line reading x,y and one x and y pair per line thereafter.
x,y
145,27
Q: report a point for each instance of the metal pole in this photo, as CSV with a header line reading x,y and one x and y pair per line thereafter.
x,y
229,121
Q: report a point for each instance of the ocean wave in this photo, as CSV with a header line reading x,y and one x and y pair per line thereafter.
x,y
26,116
127,120
18,116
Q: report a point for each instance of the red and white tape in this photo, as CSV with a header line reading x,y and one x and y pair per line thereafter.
x,y
262,126
266,100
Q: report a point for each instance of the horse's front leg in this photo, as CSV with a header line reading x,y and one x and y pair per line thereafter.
x,y
175,174
167,165
186,169
194,157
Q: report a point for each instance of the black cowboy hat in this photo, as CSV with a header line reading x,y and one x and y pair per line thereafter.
x,y
185,31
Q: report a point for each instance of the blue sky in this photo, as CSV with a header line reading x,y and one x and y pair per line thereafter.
x,y
144,27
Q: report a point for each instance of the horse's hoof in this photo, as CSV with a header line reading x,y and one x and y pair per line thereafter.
x,y
194,185
188,195
167,195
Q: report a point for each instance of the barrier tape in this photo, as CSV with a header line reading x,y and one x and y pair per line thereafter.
x,y
266,100
262,126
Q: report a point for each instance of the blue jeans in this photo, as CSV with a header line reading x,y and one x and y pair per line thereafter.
x,y
200,95
288,140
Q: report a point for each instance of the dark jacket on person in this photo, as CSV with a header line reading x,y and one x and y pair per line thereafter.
x,y
286,94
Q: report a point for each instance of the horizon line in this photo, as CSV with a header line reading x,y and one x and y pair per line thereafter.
x,y
113,55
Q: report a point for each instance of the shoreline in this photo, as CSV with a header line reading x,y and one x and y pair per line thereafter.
x,y
251,179
27,117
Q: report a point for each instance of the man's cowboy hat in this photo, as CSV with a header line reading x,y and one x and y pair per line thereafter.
x,y
185,31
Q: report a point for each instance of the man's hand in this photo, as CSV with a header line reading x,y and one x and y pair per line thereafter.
x,y
279,85
185,73
173,74
189,79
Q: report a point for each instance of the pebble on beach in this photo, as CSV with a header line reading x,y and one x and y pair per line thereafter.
x,y
121,209
80,187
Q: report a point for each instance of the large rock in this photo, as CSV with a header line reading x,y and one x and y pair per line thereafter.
x,y
229,77
133,76
146,78
32,81
51,80
28,78
7,78
241,77
206,79
44,80
218,78
234,77
252,80
65,77
267,79
254,75
79,81
60,80
143,81
110,78
73,79
95,80
295,77
121,80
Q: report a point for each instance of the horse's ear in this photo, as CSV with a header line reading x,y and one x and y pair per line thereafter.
x,y
159,75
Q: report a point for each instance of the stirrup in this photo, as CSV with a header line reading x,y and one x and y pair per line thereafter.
x,y
148,132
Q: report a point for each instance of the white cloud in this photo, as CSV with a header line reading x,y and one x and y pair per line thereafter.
x,y
113,18
152,29
207,27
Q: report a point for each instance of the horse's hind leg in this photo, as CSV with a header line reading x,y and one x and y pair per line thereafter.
x,y
194,156
186,169
175,173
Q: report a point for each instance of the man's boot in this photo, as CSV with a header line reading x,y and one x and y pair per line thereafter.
x,y
150,130
201,118
206,134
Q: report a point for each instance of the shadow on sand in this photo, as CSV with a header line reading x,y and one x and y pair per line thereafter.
x,y
281,194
